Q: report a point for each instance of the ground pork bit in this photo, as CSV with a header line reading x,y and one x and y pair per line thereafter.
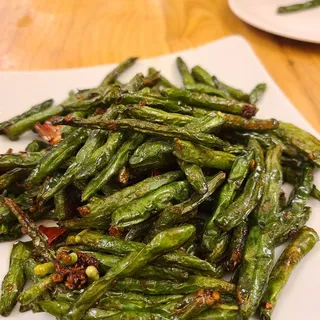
x,y
73,276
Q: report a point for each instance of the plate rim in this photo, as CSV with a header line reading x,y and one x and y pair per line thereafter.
x,y
237,12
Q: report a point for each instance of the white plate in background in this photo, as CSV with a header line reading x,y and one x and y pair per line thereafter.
x,y
262,14
232,60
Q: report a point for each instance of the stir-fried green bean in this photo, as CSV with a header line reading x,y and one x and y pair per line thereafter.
x,y
154,193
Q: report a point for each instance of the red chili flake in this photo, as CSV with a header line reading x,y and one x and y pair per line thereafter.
x,y
142,103
24,230
33,209
249,111
49,132
53,233
84,211
112,126
268,305
99,111
114,231
287,215
68,118
177,144
252,164
10,150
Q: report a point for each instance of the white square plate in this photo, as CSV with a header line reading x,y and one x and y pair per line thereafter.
x,y
232,60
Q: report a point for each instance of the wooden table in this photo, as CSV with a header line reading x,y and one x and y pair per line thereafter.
x,y
52,34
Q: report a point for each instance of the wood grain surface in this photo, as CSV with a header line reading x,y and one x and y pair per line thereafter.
x,y
53,34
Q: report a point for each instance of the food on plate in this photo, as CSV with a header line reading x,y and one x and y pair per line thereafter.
x,y
299,6
157,192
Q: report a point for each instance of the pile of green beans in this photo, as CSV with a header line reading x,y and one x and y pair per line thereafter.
x,y
157,192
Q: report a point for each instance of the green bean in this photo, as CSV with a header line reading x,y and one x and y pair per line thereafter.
x,y
53,158
305,142
98,314
159,116
93,240
293,177
267,140
174,214
315,193
304,242
95,140
202,156
113,75
14,127
101,157
13,233
87,100
61,204
100,242
164,81
25,201
33,110
162,273
98,210
209,123
15,279
56,308
236,247
236,177
257,92
184,72
202,76
148,128
269,205
211,102
36,290
10,161
31,229
13,176
290,216
134,315
204,88
140,209
195,176
157,287
257,125
149,152
135,84
166,241
116,163
232,92
191,263
29,266
236,122
218,314
37,145
60,294
154,100
148,299
299,6
254,271
194,304
249,198
116,303
25,124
